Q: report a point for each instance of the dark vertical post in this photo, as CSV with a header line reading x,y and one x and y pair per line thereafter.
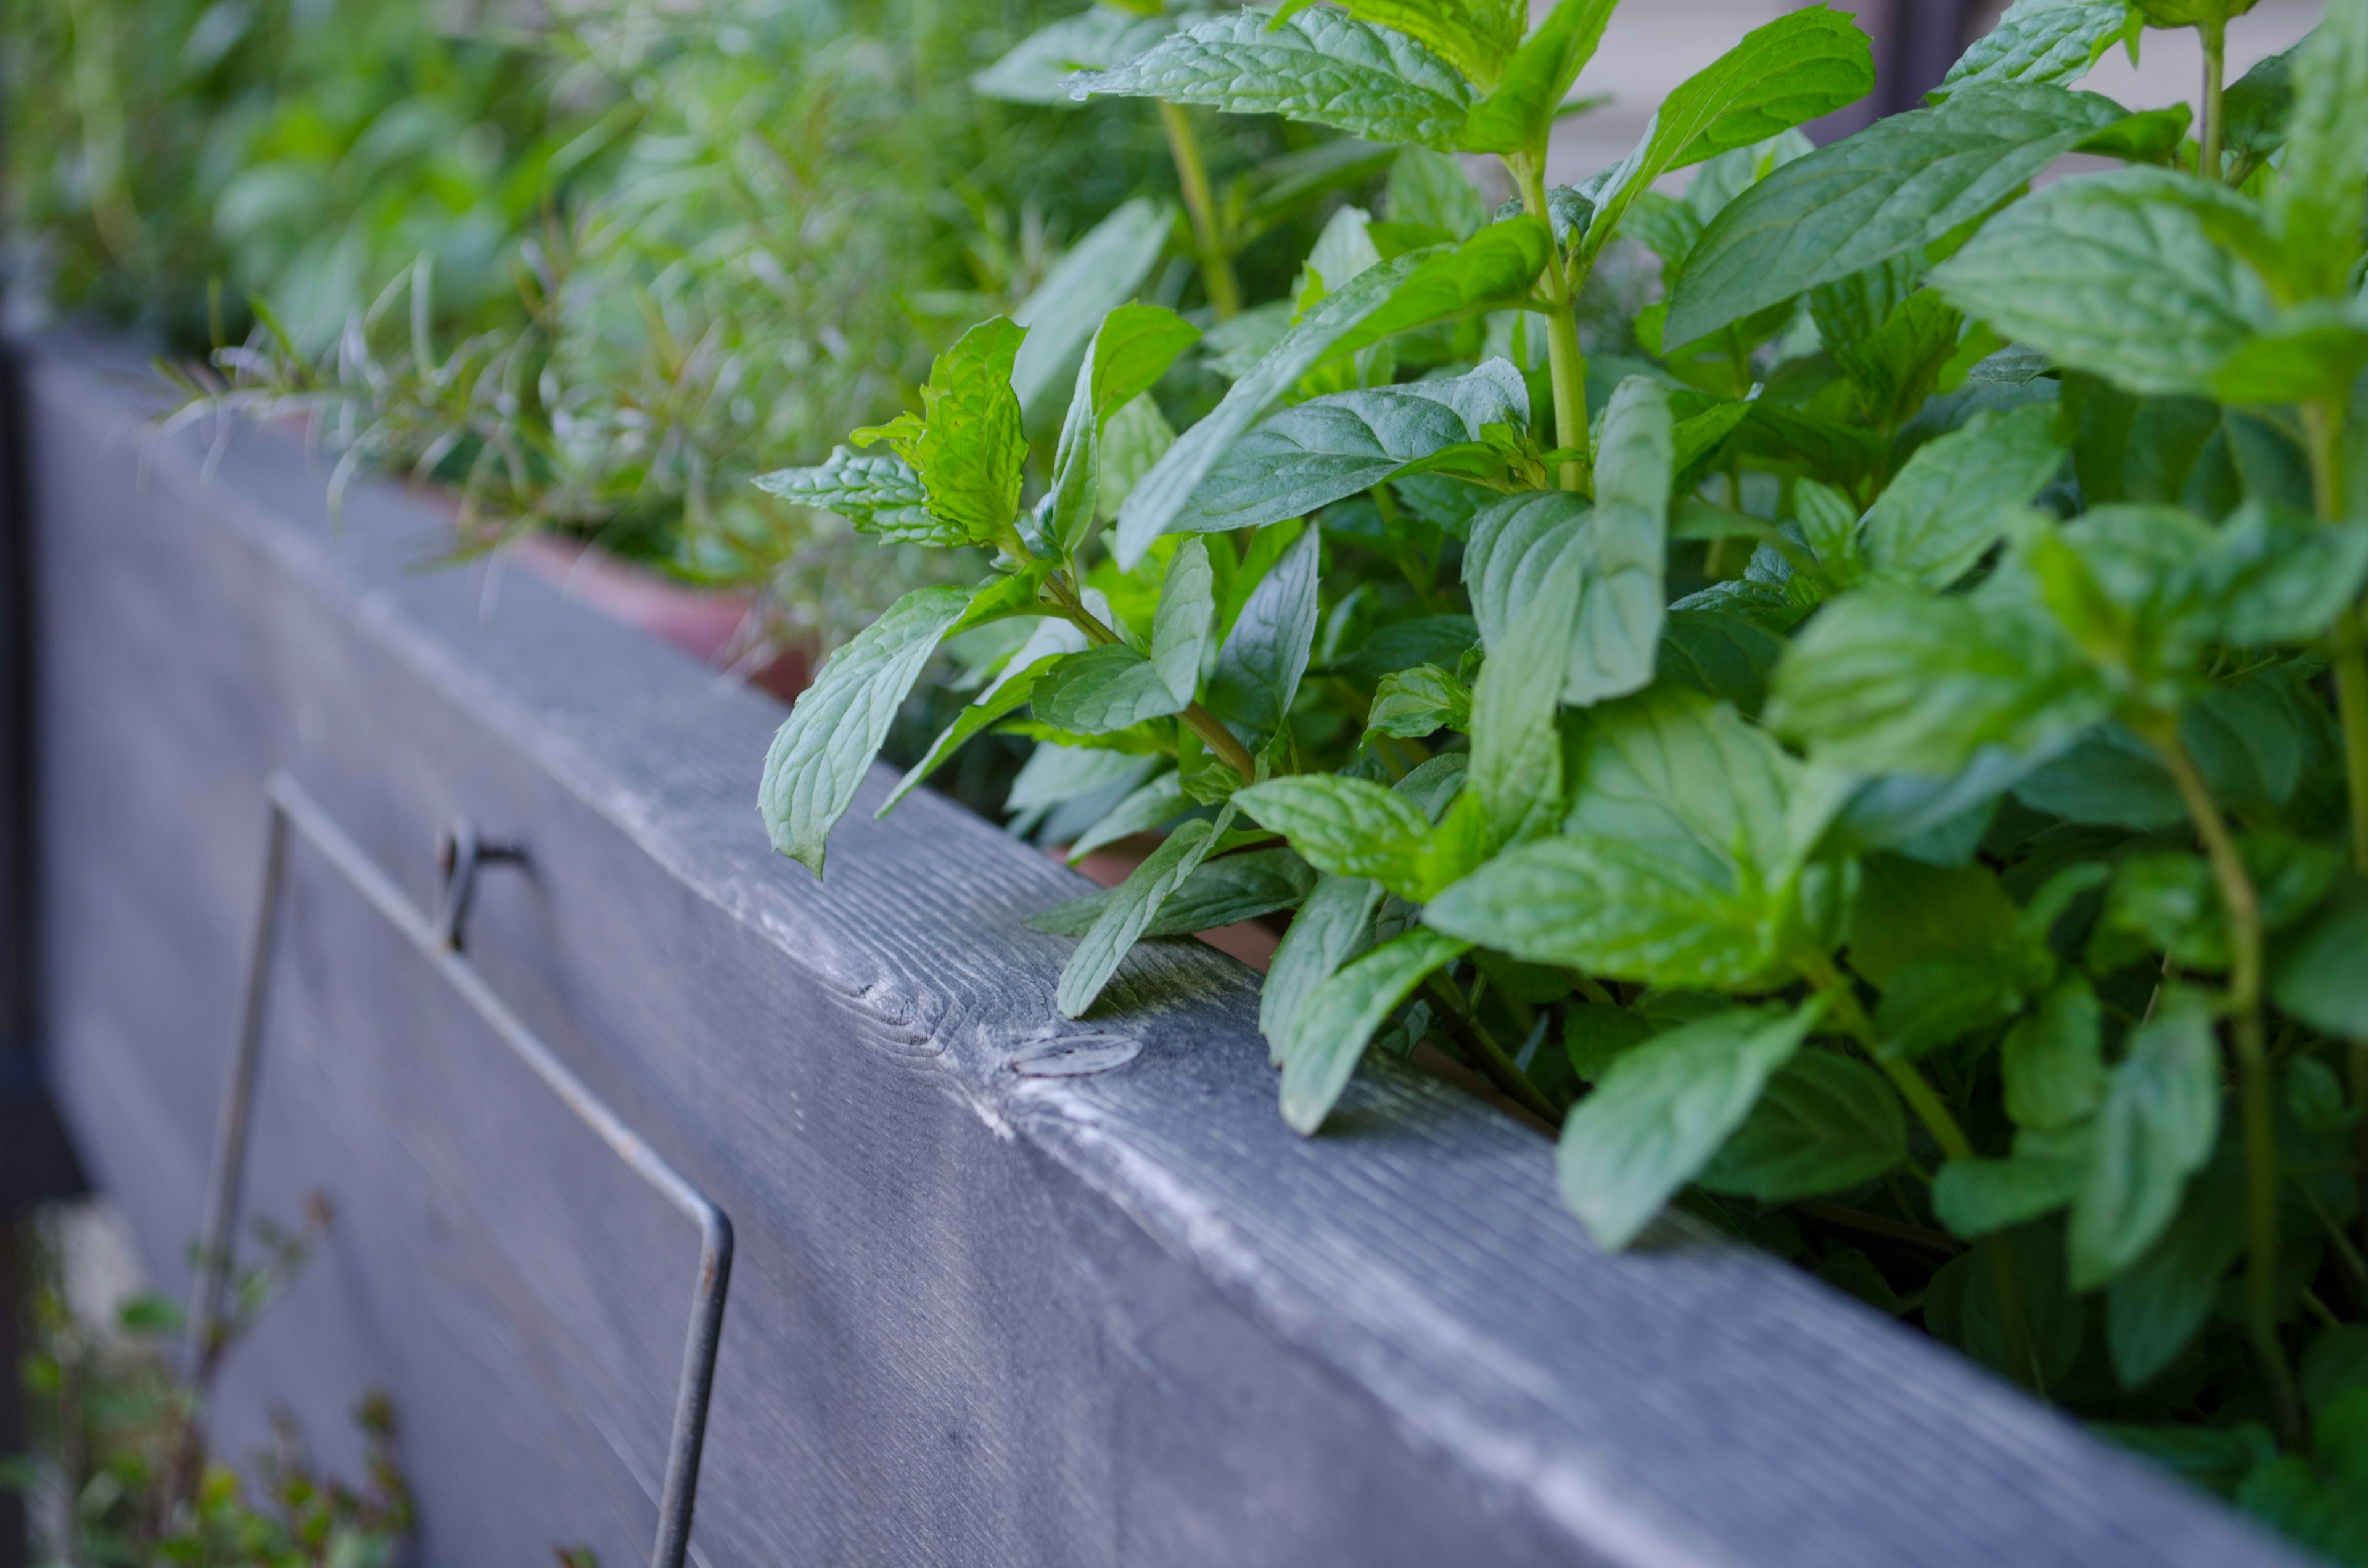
x,y
1916,41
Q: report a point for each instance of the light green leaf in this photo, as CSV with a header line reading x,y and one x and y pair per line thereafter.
x,y
1519,114
1908,915
2309,353
1348,827
879,494
2119,274
1333,1026
1618,631
1413,703
1515,545
1131,349
1663,1110
1886,681
1824,1123
1333,927
1265,653
2318,976
1475,37
1187,614
1515,743
1934,522
1492,271
1051,638
822,750
1322,65
1430,190
1974,1198
1101,690
2156,1129
1037,69
2316,208
1805,64
1091,280
1218,893
1134,905
1141,811
1317,452
1890,191
2054,1059
967,444
1162,494
2044,42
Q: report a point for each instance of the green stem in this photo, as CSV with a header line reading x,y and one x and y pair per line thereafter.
x,y
2215,55
1201,202
1488,1055
1563,357
1204,723
1930,1109
2254,1088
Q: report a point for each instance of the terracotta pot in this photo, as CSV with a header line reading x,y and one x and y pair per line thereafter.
x,y
703,622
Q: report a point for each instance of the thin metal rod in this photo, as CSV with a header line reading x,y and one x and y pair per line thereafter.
x,y
217,1231
437,939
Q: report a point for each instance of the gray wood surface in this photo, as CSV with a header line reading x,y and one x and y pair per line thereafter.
x,y
978,1317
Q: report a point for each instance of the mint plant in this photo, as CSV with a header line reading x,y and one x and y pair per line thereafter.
x,y
1870,746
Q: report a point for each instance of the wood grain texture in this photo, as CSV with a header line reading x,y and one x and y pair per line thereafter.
x,y
978,1317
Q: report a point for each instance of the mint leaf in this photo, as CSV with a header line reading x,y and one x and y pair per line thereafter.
x,y
1134,905
1333,927
1037,69
1886,681
1515,743
1131,349
1319,451
1824,1123
2043,41
1218,893
2154,1306
2053,1060
2156,1129
1180,627
1102,689
880,494
1349,827
1475,37
819,756
1265,653
2316,208
1951,502
1492,271
1003,695
1413,703
1322,66
2121,274
1618,631
1093,280
1331,1028
1519,114
1164,492
1804,64
1662,1111
2317,975
1141,811
967,444
1514,546
1890,191
1974,1198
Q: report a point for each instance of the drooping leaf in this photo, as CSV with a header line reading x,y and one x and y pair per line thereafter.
x,y
1805,64
1333,927
1975,1197
2155,1129
1477,36
1952,501
2122,273
1824,1123
1413,703
1101,690
1348,827
1164,492
1618,631
2158,1305
1663,1110
822,750
1314,454
1218,893
1140,812
1321,66
1514,546
1003,695
1518,113
1889,191
967,446
1516,745
1134,905
1492,271
1265,653
1131,349
1335,1023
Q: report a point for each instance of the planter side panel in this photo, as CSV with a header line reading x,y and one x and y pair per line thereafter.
x,y
976,1318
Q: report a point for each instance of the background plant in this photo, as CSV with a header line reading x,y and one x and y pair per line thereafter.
x,y
1867,738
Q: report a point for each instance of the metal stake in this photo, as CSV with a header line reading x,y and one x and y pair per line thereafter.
x,y
459,853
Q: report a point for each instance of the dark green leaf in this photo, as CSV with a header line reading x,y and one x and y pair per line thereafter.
x,y
1974,1198
1824,1123
1332,1027
1516,746
2053,1061
1952,500
1218,893
2039,41
2316,972
1724,656
1134,905
1621,612
2316,204
1333,927
1265,653
2156,1129
1492,271
1348,827
2154,1308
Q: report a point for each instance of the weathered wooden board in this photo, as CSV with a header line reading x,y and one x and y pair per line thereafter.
x,y
978,1318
